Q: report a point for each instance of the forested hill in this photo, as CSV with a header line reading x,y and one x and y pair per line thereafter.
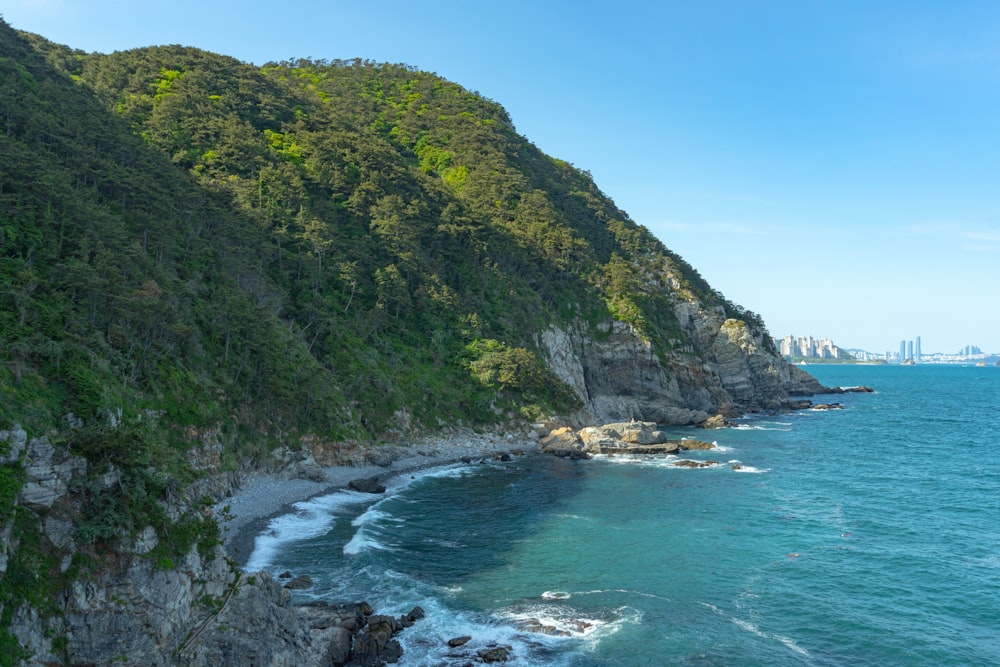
x,y
304,246
205,262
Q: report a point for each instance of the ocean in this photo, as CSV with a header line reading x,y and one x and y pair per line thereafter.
x,y
863,536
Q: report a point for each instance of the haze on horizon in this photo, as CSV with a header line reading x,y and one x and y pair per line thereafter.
x,y
830,166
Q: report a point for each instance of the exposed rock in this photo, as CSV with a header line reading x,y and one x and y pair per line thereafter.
x,y
715,421
862,389
828,406
561,438
571,454
595,438
48,472
338,651
640,450
366,485
687,463
300,583
455,642
691,443
374,645
617,438
724,367
495,654
16,439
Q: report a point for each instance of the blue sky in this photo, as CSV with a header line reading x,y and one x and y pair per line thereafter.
x,y
831,165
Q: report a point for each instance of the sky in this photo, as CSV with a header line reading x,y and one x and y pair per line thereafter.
x,y
829,164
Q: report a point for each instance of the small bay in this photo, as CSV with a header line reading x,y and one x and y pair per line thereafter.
x,y
868,535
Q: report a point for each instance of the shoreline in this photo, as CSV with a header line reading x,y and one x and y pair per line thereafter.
x,y
262,497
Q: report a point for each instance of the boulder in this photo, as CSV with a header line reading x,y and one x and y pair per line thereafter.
x,y
691,443
338,649
300,583
366,485
455,642
561,438
716,421
571,454
594,438
495,654
687,463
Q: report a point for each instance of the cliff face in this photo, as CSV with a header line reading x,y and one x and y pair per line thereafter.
x,y
726,369
124,606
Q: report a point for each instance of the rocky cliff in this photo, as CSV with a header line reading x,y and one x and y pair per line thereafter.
x,y
726,368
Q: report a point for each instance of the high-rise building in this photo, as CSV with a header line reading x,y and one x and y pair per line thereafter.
x,y
918,359
910,355
902,350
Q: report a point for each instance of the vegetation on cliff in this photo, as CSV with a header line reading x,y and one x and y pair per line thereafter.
x,y
307,249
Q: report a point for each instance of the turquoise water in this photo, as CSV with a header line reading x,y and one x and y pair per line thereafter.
x,y
863,536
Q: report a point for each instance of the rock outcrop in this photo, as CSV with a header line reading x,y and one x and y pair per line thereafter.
x,y
620,438
723,367
132,608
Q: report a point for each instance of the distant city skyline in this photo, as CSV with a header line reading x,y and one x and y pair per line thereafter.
x,y
811,346
807,158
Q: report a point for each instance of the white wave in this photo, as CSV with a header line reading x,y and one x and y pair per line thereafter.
x,y
763,427
555,595
740,467
370,516
554,620
311,518
317,516
753,629
362,542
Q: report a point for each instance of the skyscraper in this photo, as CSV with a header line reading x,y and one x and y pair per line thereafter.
x,y
902,350
918,359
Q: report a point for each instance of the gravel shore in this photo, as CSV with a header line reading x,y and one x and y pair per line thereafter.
x,y
262,497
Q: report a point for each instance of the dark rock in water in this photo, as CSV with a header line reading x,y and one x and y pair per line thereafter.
x,y
300,583
571,454
455,642
851,390
505,457
536,626
497,654
466,460
366,485
285,575
717,421
800,404
375,645
737,466
687,463
828,406
416,614
691,443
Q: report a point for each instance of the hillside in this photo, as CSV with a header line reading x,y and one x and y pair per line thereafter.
x,y
202,260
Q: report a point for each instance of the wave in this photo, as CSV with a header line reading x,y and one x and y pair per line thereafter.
x,y
764,426
317,516
742,467
754,630
311,518
558,620
362,541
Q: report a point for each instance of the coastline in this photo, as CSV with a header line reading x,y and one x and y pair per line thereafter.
x,y
263,497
